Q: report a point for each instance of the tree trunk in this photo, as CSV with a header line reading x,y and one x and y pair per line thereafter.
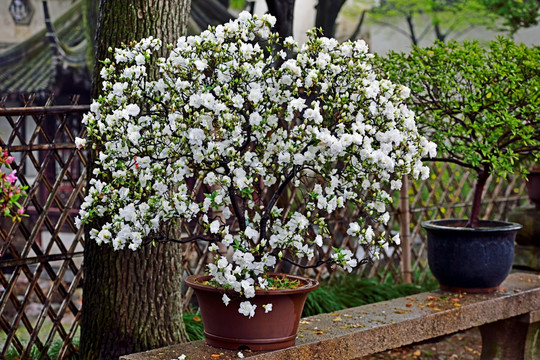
x,y
125,21
327,12
483,176
283,10
90,10
132,299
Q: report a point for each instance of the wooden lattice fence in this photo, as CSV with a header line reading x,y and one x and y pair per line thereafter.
x,y
40,267
41,262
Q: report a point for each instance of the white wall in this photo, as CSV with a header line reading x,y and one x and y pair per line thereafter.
x,y
10,33
382,39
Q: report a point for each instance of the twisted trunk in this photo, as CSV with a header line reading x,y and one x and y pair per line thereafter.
x,y
483,175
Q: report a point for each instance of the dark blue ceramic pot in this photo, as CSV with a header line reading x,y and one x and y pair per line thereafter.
x,y
470,259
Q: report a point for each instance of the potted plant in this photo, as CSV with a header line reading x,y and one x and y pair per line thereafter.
x,y
480,105
234,123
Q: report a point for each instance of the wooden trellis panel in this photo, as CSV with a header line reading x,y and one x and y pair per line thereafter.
x,y
40,266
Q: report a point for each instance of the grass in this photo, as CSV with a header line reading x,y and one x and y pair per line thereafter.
x,y
194,327
54,349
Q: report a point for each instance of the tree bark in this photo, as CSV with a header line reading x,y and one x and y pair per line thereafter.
x,y
125,21
283,10
327,12
90,9
483,176
132,299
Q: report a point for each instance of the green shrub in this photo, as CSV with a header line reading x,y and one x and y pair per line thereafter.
x,y
478,104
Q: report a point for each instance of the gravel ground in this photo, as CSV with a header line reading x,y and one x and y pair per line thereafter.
x,y
466,345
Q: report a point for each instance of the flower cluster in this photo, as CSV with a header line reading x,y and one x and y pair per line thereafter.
x,y
9,205
233,124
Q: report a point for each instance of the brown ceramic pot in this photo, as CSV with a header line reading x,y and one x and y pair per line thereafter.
x,y
225,327
533,187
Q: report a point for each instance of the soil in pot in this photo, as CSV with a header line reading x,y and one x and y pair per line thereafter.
x,y
470,259
225,327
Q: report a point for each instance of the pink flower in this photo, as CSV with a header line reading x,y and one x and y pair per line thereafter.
x,y
12,177
9,159
20,211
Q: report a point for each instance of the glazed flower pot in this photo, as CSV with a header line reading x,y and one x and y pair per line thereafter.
x,y
474,260
533,187
225,327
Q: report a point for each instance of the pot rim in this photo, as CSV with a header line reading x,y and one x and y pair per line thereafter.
x,y
310,284
484,225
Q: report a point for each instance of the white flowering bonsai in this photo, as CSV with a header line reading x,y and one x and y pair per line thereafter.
x,y
247,121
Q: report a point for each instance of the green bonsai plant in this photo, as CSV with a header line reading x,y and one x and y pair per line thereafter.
x,y
480,105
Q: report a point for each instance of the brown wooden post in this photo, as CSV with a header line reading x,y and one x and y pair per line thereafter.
x,y
404,222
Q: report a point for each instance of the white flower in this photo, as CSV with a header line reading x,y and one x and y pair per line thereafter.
x,y
395,184
201,64
267,308
227,240
318,240
369,233
238,101
247,309
133,109
395,239
251,233
353,229
80,143
255,95
298,104
244,16
240,355
214,226
255,119
225,299
196,136
140,59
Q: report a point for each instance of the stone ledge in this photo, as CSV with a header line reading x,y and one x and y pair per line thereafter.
x,y
369,329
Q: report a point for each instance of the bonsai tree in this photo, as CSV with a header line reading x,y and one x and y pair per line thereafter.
x,y
227,129
480,105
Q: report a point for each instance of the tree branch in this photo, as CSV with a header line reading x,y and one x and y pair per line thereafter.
x,y
275,197
454,161
165,238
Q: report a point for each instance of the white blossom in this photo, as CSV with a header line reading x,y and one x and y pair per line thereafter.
x,y
247,309
225,299
242,122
